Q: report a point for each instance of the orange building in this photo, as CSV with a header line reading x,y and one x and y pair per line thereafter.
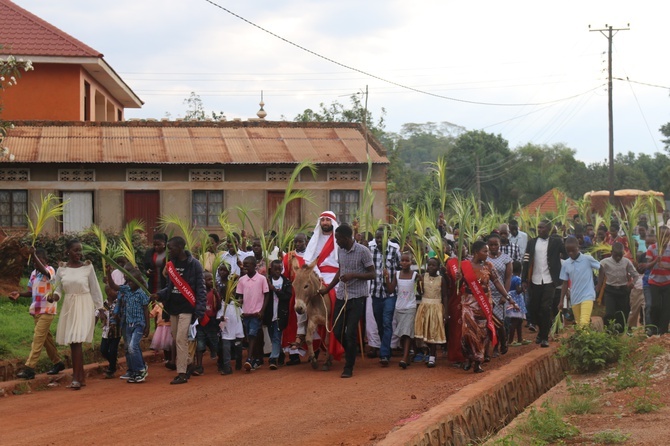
x,y
71,81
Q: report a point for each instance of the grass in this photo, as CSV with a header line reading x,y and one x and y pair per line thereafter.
x,y
655,350
546,425
16,331
649,401
611,437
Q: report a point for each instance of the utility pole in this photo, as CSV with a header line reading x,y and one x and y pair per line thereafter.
x,y
479,183
609,32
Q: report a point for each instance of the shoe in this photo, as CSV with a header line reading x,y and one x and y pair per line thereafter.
x,y
293,359
467,365
515,344
143,373
248,366
537,340
198,371
418,357
487,358
496,354
384,362
402,364
544,343
180,379
170,365
430,364
257,364
526,342
131,380
504,349
532,327
140,377
478,368
347,373
126,375
26,373
109,375
57,368
75,385
227,371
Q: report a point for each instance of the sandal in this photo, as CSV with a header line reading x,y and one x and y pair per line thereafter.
x,y
74,385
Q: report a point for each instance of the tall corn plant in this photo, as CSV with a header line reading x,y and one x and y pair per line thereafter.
x,y
439,169
365,210
562,216
403,226
126,242
50,207
584,208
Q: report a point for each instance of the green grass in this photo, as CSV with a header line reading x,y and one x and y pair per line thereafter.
x,y
546,425
655,350
16,331
610,437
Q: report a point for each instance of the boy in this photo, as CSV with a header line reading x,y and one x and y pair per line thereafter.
x,y
232,333
133,303
43,312
619,277
207,330
253,291
276,314
578,269
111,335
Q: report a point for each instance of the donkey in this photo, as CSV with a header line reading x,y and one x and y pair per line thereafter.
x,y
308,301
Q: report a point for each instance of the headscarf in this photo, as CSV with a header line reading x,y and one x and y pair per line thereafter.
x,y
314,243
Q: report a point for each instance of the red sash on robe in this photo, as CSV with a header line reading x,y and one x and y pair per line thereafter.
x,y
455,319
482,298
184,288
291,330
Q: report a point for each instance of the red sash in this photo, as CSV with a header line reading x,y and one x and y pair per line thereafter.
x,y
326,250
184,288
454,316
482,298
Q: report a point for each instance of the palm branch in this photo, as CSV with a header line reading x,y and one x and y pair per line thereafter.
x,y
243,215
278,218
126,242
102,239
184,226
439,169
50,207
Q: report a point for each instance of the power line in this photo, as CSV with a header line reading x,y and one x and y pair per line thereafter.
x,y
348,67
641,83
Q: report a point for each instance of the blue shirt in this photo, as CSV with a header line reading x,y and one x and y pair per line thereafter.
x,y
133,303
580,274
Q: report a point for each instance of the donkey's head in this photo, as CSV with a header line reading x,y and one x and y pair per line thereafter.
x,y
306,285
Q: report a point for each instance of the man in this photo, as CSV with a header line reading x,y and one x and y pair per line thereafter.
x,y
541,270
618,275
507,247
184,299
355,269
383,302
518,237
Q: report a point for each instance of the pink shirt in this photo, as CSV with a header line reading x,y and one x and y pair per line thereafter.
x,y
253,291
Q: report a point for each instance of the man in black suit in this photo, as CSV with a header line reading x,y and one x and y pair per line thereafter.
x,y
541,269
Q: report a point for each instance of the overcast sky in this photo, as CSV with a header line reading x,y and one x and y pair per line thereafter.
x,y
514,52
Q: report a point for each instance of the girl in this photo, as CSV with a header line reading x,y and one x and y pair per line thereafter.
x,y
77,283
429,323
404,282
476,314
503,266
162,339
515,316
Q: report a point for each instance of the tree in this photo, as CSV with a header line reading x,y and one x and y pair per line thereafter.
x,y
665,130
196,110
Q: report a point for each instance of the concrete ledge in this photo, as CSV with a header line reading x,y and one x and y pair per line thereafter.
x,y
485,406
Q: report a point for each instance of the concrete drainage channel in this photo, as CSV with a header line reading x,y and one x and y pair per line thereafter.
x,y
485,406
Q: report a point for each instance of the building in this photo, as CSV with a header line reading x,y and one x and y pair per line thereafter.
x,y
71,80
114,172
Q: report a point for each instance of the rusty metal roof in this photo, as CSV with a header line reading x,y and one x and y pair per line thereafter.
x,y
183,142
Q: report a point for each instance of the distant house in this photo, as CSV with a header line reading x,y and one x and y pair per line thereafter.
x,y
71,139
114,172
71,80
547,203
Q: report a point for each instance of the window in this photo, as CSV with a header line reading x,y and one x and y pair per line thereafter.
x,y
78,211
76,174
144,175
344,203
207,206
344,175
13,174
275,174
13,208
197,175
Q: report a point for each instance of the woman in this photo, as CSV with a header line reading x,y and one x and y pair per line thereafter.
x,y
503,266
78,285
154,263
477,315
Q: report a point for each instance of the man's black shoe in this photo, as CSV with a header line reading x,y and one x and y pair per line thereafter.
x,y
544,343
26,373
56,369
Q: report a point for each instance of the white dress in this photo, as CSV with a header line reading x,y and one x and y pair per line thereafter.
x,y
80,291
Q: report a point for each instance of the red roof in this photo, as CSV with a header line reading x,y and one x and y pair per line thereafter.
x,y
25,34
547,203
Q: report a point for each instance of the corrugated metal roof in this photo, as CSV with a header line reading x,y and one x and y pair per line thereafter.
x,y
23,33
192,143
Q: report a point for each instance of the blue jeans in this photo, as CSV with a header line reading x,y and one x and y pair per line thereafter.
x,y
134,333
275,338
383,309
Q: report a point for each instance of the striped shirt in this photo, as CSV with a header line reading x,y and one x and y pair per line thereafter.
x,y
392,264
512,250
355,260
660,273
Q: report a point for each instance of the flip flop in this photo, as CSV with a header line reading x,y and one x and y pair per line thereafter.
x,y
74,385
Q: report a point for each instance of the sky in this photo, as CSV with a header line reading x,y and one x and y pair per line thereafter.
x,y
528,70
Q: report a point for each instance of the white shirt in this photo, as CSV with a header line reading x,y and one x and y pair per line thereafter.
x,y
277,284
521,239
540,264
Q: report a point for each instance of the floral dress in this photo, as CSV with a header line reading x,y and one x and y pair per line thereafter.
x,y
474,331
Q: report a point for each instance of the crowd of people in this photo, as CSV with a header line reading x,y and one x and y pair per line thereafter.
x,y
471,306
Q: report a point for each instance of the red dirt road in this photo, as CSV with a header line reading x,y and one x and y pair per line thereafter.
x,y
293,405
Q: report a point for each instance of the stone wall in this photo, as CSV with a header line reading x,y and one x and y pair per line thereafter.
x,y
485,406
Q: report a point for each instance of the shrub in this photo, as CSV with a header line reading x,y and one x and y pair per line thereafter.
x,y
648,401
588,350
547,425
610,437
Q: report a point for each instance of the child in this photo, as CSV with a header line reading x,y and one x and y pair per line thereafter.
x,y
111,335
404,283
253,291
516,315
43,312
232,331
133,303
162,339
207,330
429,323
276,315
618,279
578,269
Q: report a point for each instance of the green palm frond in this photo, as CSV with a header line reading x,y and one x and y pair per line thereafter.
x,y
50,207
243,213
184,226
439,169
126,242
102,239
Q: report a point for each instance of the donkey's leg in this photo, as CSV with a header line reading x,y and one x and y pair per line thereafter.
x,y
309,336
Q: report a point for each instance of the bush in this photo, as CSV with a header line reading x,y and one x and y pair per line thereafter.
x,y
547,425
610,437
588,350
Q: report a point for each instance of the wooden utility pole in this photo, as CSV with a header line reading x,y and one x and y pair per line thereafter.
x,y
609,32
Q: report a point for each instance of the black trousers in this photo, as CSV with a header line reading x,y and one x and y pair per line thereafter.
x,y
109,348
617,305
346,327
660,308
541,298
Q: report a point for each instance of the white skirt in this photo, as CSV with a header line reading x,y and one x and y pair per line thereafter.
x,y
76,322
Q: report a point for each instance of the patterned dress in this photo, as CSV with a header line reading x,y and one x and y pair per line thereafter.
x,y
474,331
500,265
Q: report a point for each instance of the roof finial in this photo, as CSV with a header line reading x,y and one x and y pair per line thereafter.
x,y
261,113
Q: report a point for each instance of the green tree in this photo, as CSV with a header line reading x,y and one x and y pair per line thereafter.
x,y
665,130
196,110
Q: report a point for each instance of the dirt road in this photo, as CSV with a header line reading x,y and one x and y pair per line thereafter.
x,y
293,405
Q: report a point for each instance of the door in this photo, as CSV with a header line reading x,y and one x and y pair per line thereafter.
x,y
78,211
143,205
292,214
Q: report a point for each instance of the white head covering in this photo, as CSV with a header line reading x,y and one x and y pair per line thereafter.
x,y
319,239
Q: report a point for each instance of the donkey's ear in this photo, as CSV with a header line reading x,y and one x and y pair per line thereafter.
x,y
312,265
294,264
